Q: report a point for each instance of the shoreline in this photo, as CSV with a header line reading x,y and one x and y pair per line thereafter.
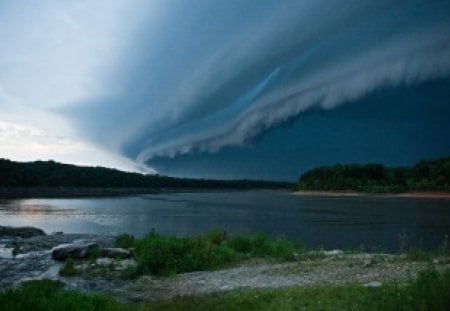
x,y
413,195
86,192
333,267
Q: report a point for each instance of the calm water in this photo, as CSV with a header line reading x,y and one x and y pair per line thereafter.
x,y
339,222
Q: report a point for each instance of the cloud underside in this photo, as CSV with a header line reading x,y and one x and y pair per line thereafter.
x,y
213,75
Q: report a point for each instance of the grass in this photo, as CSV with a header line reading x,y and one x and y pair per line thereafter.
x,y
431,291
165,255
69,270
49,295
125,241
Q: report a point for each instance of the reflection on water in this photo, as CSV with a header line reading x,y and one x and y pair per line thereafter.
x,y
341,222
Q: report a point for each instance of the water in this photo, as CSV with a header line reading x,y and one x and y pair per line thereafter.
x,y
331,222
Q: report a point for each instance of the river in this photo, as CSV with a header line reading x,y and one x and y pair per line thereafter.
x,y
375,222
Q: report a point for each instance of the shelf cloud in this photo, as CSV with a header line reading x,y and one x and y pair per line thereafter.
x,y
198,76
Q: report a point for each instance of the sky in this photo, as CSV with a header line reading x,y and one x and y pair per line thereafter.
x,y
224,89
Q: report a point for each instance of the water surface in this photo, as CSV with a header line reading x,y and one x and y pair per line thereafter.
x,y
331,222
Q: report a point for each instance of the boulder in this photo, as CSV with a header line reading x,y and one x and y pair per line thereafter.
x,y
79,250
23,232
114,252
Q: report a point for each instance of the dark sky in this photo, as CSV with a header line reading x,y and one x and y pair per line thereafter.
x,y
394,126
225,89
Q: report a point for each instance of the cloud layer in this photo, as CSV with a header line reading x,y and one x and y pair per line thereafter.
x,y
152,79
214,75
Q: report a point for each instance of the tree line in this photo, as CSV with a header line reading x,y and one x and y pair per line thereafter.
x,y
53,174
375,178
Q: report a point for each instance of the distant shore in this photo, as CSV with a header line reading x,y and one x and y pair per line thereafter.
x,y
415,195
75,192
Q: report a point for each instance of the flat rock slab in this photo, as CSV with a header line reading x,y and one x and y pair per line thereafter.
x,y
23,232
78,250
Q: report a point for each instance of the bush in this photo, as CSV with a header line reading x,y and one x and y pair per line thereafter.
x,y
163,255
124,241
259,245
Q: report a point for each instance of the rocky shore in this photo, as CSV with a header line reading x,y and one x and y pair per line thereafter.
x,y
34,257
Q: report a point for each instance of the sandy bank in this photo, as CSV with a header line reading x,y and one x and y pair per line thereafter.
x,y
415,195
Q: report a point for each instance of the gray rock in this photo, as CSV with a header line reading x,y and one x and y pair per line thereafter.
x,y
23,232
104,261
125,264
112,252
373,284
334,252
78,250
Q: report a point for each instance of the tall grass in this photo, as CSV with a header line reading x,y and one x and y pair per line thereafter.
x,y
163,255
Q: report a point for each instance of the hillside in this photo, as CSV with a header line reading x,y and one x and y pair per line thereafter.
x,y
50,174
375,178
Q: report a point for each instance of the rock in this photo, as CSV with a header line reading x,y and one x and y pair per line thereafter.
x,y
23,232
334,252
125,264
373,284
112,252
104,261
78,250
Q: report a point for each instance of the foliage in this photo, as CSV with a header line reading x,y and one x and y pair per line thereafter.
x,y
53,174
259,245
124,240
376,178
69,269
49,295
163,255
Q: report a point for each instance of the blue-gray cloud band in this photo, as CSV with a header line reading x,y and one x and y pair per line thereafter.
x,y
211,74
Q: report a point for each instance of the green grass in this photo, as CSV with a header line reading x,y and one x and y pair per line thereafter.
x,y
431,291
125,240
165,255
69,270
49,295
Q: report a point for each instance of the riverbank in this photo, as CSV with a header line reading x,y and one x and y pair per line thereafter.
x,y
414,195
32,260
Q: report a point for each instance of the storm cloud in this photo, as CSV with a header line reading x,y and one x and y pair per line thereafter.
x,y
192,77
211,74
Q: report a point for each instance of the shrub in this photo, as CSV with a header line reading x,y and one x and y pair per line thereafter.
x,y
163,255
124,241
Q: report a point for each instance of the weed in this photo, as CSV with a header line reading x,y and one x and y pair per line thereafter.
x,y
69,269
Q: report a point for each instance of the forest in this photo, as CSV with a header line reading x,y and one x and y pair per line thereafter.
x,y
376,178
52,174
